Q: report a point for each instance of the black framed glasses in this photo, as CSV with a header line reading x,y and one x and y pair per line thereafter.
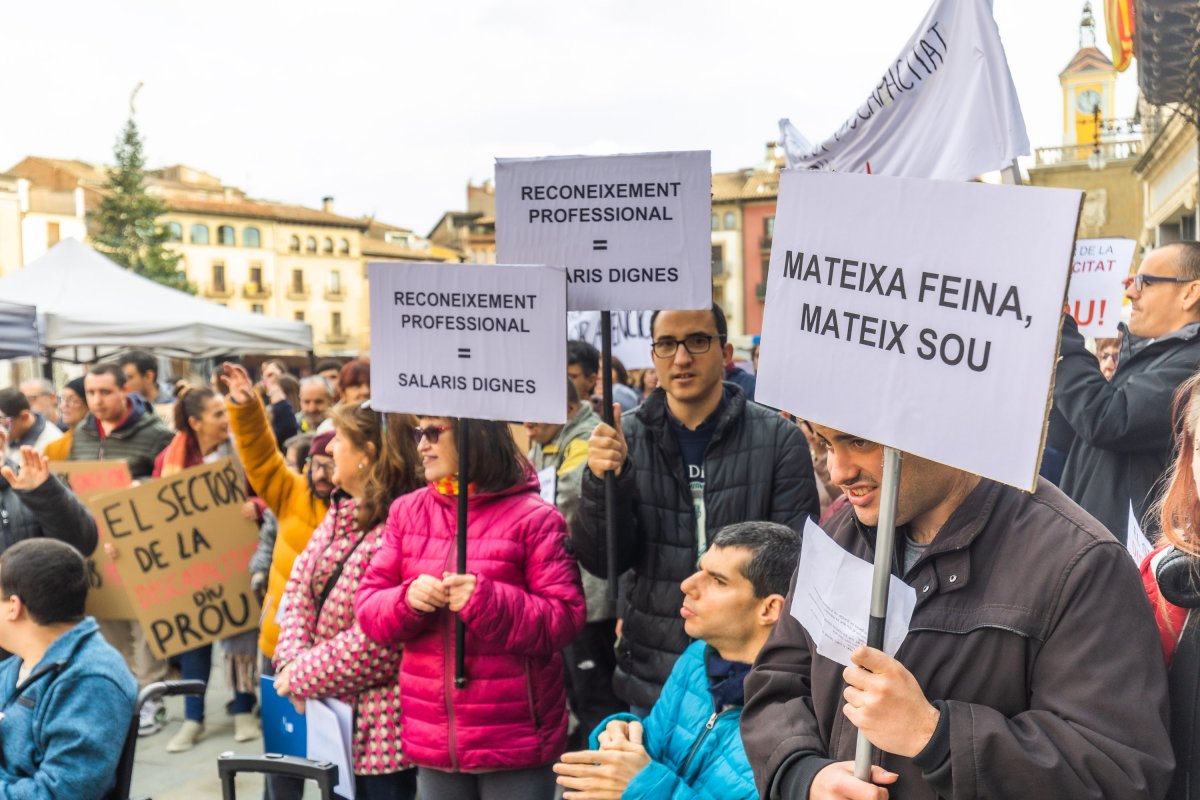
x,y
1140,282
430,432
694,343
317,464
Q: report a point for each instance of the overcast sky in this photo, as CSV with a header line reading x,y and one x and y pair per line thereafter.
x,y
392,107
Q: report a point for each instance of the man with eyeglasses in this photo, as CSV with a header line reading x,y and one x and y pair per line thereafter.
x,y
694,457
42,399
1123,427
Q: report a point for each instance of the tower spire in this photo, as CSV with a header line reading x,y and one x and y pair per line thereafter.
x,y
1087,27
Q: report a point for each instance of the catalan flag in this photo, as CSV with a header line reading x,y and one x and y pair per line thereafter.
x,y
1118,19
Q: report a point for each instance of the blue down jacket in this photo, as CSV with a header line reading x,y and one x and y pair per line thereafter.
x,y
62,733
696,752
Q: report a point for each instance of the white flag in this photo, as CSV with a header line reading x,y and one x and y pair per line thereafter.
x,y
945,107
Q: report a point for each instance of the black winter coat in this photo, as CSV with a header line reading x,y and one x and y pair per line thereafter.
x,y
50,510
1178,581
757,467
1125,436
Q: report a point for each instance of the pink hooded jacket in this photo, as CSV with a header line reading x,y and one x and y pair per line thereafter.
x,y
527,606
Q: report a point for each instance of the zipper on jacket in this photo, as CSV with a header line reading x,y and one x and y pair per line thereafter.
x,y
529,696
700,739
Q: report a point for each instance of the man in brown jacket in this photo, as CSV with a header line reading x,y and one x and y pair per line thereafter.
x,y
1032,667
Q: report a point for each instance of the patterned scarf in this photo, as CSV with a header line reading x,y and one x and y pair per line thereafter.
x,y
448,486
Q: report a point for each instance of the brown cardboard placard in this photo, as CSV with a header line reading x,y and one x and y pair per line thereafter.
x,y
184,549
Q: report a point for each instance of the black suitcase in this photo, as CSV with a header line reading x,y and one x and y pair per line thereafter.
x,y
323,773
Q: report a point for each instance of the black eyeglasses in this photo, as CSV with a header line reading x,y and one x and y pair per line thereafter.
x,y
694,343
1140,282
430,432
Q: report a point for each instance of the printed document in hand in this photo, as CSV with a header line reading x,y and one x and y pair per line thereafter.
x,y
833,599
1135,541
329,739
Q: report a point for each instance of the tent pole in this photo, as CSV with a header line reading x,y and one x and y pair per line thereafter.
x,y
312,362
48,364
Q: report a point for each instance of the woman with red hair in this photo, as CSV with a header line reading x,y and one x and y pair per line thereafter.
x,y
1171,575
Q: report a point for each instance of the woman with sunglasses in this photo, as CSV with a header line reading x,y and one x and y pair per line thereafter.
x,y
322,651
521,603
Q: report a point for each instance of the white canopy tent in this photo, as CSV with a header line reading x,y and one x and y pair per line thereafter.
x,y
85,300
18,331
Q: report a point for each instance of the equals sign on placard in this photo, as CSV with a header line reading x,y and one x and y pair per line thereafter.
x,y
599,244
464,352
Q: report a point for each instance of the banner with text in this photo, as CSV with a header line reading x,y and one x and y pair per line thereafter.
x,y
937,304
631,339
1097,286
632,230
88,480
946,106
469,340
184,553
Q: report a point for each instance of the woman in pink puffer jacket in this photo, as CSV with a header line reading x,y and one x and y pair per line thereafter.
x,y
520,600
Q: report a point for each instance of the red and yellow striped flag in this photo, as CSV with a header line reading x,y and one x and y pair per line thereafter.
x,y
1118,19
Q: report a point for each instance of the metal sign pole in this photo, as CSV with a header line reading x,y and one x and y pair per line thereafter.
x,y
885,540
464,480
610,477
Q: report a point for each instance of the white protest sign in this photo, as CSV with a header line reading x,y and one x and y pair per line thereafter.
x,y
466,340
936,304
833,599
632,230
631,339
1097,286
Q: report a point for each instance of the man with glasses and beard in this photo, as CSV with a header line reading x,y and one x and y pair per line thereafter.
x,y
1123,427
694,457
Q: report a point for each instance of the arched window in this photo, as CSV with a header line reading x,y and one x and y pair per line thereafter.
x,y
226,236
251,237
344,247
199,234
174,232
730,221
310,244
716,222
294,244
327,246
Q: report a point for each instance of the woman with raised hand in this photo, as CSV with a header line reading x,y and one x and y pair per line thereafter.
x,y
322,652
521,603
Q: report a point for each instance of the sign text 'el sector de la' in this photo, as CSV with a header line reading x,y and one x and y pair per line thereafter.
x,y
931,307
632,230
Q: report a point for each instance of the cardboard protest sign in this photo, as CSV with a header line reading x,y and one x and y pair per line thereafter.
x,y
465,340
632,230
935,304
89,480
1097,286
184,553
631,339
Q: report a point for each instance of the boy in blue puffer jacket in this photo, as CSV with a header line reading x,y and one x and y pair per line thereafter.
x,y
690,745
66,696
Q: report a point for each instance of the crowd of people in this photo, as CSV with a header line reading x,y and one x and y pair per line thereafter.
x,y
1038,662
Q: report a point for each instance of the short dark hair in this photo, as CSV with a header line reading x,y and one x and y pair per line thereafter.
x,y
622,373
583,355
142,361
329,363
775,554
496,463
12,402
718,320
109,368
1188,258
354,373
49,576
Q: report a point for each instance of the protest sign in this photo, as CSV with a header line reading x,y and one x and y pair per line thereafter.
x,y
632,230
631,339
88,480
945,107
464,340
1097,286
936,304
184,550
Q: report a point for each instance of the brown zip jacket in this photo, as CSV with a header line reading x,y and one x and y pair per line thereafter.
x,y
1033,636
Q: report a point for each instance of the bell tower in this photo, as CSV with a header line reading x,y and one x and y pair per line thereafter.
x,y
1088,85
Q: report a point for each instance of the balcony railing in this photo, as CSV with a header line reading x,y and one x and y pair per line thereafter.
x,y
1080,153
335,294
295,292
223,290
337,337
765,243
255,291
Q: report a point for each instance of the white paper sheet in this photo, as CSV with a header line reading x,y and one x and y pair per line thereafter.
x,y
329,739
833,599
1135,541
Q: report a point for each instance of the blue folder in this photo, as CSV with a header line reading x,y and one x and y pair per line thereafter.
x,y
284,730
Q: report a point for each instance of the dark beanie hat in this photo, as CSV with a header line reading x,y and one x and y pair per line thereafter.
x,y
320,443
76,386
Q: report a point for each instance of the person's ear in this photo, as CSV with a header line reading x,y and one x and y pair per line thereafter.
x,y
13,607
727,351
1190,299
770,609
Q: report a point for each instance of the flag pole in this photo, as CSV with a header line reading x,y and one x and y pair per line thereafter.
x,y
885,546
610,477
464,480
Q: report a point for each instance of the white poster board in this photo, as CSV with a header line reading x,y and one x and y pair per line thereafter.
x,y
469,340
631,339
931,308
632,230
1097,286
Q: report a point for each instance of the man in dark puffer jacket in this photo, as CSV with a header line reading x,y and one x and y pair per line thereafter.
x,y
696,456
